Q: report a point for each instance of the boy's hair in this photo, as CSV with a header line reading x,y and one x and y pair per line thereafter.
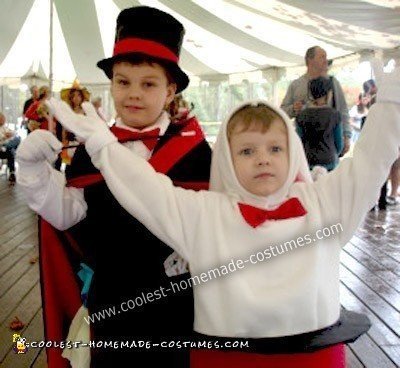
x,y
368,85
137,59
258,117
320,87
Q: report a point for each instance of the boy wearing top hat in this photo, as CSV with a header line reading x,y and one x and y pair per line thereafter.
x,y
126,259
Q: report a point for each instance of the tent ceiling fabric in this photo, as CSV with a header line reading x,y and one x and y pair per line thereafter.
x,y
222,36
352,12
13,24
220,27
82,35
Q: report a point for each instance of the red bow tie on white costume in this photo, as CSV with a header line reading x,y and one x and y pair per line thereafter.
x,y
256,216
149,138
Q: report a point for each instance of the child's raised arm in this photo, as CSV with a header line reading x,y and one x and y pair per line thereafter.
x,y
43,186
171,213
350,191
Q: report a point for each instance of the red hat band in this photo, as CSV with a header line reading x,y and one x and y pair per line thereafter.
x,y
152,48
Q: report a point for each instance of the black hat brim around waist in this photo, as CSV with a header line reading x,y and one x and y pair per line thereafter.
x,y
347,329
177,74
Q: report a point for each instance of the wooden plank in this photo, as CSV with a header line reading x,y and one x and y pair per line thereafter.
x,y
378,305
10,300
15,230
41,360
23,215
375,267
14,197
352,360
370,354
379,256
8,213
364,258
17,253
390,278
379,331
386,241
381,334
18,269
10,192
26,311
18,239
384,290
393,351
34,332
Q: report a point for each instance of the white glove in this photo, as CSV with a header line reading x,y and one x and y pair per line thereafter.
x,y
317,172
38,147
388,83
88,128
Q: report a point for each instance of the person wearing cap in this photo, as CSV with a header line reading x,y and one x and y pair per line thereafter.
x,y
298,95
122,258
319,127
74,96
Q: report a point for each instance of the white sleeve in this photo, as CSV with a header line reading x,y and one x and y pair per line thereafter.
x,y
352,189
46,193
170,213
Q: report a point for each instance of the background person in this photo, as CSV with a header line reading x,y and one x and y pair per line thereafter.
x,y
298,94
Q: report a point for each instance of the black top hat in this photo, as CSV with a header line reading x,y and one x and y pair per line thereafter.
x,y
320,87
152,33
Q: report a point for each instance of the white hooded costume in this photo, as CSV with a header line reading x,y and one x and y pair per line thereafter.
x,y
288,294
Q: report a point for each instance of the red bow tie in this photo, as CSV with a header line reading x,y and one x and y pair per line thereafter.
x,y
148,138
256,216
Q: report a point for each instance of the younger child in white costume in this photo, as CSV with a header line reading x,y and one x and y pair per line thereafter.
x,y
258,161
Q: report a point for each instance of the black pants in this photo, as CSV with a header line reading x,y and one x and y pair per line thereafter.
x,y
382,198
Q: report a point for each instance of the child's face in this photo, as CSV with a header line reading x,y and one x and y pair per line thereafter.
x,y
76,98
2,119
261,160
140,93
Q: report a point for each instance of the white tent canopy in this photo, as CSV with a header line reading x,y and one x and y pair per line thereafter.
x,y
222,36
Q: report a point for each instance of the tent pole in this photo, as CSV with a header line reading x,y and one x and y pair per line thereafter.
x,y
2,98
51,47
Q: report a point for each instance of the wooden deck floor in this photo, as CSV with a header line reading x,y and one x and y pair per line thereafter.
x,y
370,283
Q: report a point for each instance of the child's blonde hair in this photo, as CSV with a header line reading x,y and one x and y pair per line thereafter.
x,y
258,117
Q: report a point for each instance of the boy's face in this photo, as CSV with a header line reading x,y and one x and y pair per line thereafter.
x,y
261,160
140,93
2,119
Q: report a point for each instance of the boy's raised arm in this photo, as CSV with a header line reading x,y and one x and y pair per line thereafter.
x,y
169,212
350,191
43,186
